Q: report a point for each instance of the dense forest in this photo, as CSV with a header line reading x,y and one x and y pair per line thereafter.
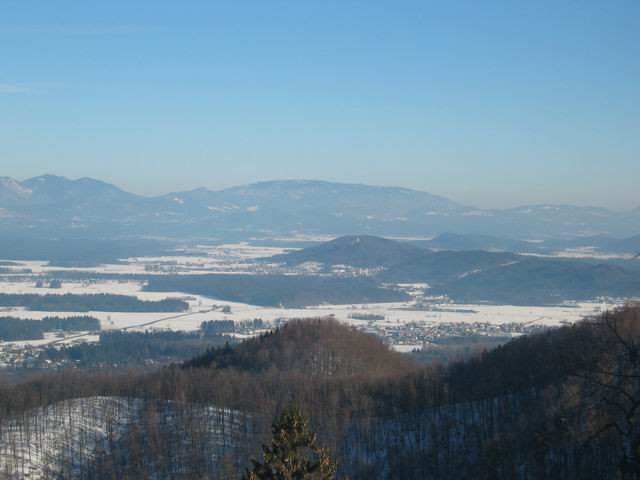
x,y
119,349
537,281
101,302
559,404
215,327
79,252
275,290
12,328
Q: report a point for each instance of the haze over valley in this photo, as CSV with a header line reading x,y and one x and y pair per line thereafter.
x,y
319,240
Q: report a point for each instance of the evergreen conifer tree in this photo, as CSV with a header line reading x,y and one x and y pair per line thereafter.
x,y
294,454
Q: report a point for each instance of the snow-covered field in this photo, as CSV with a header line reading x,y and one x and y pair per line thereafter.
x,y
202,308
202,259
240,258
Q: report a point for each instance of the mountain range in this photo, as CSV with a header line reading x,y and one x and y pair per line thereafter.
x,y
55,205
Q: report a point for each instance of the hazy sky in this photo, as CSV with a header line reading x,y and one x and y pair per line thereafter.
x,y
489,103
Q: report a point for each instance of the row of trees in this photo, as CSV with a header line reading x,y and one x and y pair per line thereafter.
x,y
12,328
83,303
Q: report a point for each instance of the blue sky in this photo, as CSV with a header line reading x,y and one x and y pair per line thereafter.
x,y
489,103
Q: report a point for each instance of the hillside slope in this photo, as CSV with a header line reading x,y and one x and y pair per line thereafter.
x,y
536,281
320,347
440,267
364,251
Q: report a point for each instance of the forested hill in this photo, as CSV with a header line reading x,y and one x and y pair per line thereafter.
x,y
441,267
473,276
357,251
321,347
330,350
563,404
538,281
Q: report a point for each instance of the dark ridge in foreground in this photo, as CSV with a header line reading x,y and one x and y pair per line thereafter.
x,y
563,404
320,347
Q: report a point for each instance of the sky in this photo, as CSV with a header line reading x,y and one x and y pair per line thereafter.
x,y
489,103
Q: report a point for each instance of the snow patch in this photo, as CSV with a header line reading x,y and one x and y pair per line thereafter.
x,y
15,187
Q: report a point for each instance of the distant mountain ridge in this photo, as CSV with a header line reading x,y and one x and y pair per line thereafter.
x,y
456,241
57,205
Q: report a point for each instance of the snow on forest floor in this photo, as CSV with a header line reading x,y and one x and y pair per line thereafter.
x,y
62,439
47,441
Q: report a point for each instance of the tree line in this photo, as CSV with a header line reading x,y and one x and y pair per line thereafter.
x,y
104,302
133,349
12,329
